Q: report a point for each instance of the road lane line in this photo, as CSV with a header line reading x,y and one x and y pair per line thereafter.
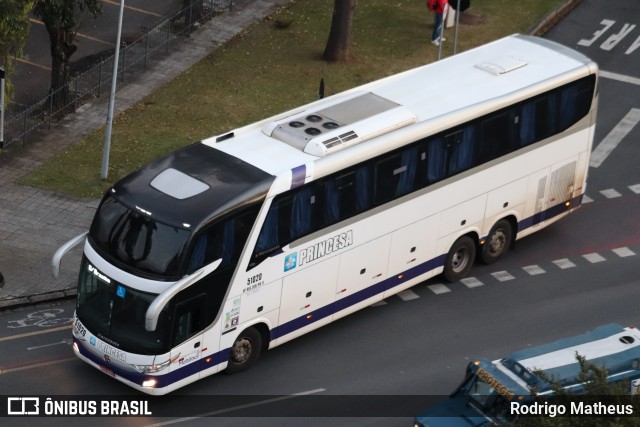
x,y
68,342
36,365
620,77
30,334
235,408
617,134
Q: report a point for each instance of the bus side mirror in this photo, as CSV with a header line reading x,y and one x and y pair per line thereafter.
x,y
62,250
158,304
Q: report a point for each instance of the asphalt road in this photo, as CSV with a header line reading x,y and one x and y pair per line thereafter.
x,y
579,273
32,77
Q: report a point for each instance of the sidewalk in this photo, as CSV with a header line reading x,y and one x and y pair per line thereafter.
x,y
34,222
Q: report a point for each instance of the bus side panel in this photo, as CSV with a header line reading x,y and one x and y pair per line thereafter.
x,y
535,203
503,201
360,270
464,216
306,299
411,249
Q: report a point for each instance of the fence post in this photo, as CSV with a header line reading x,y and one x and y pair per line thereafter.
x,y
146,49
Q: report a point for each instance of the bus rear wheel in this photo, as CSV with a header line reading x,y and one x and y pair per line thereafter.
x,y
245,351
497,243
459,259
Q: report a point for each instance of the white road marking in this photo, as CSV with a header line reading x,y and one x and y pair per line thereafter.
x,y
534,270
564,263
594,257
620,77
49,345
586,199
623,252
635,188
471,282
408,295
238,407
610,193
439,289
617,134
502,276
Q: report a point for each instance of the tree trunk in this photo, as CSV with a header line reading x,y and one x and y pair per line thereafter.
x,y
62,48
338,47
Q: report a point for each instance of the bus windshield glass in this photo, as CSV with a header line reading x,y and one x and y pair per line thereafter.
x,y
116,313
487,399
138,241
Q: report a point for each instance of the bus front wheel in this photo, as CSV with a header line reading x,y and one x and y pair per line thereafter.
x,y
498,242
245,351
459,259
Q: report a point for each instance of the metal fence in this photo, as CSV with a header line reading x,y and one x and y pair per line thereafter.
x,y
96,81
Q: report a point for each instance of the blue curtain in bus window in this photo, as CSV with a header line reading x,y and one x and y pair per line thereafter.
x,y
331,208
528,124
463,152
552,114
197,256
268,237
228,242
568,106
363,198
407,172
437,159
301,212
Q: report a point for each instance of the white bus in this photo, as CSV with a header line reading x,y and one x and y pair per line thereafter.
x,y
199,261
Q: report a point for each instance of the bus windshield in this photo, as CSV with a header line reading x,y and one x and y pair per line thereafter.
x,y
138,241
116,313
487,399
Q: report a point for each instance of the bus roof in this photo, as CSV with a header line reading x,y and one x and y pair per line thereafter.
x,y
610,346
496,72
194,184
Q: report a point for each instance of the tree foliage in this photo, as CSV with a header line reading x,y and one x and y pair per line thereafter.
x,y
596,389
14,27
62,19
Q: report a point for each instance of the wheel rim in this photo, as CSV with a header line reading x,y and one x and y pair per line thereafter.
x,y
241,351
497,243
460,259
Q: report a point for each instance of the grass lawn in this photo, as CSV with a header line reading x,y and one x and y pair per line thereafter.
x,y
268,70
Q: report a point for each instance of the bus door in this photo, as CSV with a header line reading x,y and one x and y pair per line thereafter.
x,y
189,320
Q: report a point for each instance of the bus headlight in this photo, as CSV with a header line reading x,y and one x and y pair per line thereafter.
x,y
156,367
150,383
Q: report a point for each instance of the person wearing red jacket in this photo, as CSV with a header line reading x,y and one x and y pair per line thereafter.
x,y
439,8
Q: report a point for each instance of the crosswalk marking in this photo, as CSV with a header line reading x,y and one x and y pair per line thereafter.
x,y
408,295
594,257
534,270
623,252
586,199
564,263
502,276
379,303
439,289
471,282
635,188
610,193
617,134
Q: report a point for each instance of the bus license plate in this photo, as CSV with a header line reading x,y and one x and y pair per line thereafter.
x,y
107,371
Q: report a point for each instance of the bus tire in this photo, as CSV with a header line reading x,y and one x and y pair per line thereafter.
x,y
245,351
498,242
459,259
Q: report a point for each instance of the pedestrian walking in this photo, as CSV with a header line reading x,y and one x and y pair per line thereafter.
x,y
439,8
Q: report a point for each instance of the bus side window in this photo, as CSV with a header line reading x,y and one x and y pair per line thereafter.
x,y
495,136
394,175
462,149
437,159
190,318
303,213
